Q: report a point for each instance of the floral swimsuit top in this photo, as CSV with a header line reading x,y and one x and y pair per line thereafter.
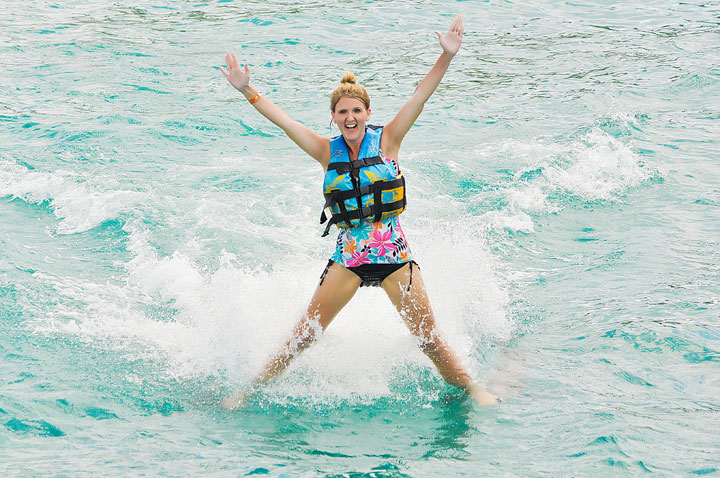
x,y
381,242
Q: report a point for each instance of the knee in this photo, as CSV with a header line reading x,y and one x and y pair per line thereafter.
x,y
429,339
305,341
421,326
430,345
305,336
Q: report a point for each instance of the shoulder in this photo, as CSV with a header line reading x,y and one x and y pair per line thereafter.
x,y
325,154
388,145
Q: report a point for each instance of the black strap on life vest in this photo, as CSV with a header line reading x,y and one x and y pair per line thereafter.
x,y
344,167
376,189
375,211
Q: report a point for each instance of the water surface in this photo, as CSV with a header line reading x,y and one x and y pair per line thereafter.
x,y
158,239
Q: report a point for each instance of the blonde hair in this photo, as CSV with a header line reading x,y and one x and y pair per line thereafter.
x,y
349,87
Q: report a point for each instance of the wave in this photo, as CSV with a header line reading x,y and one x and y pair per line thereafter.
x,y
79,201
552,175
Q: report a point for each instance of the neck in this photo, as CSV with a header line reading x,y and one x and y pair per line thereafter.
x,y
354,147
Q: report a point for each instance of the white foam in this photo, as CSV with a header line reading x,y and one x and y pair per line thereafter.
x,y
602,168
531,198
79,203
595,167
506,220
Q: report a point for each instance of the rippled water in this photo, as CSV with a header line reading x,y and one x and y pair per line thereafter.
x,y
158,239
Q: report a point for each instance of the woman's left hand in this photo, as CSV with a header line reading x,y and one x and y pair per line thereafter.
x,y
453,38
235,74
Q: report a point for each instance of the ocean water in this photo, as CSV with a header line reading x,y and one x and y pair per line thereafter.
x,y
158,239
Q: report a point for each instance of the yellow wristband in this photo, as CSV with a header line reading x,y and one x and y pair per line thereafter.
x,y
255,99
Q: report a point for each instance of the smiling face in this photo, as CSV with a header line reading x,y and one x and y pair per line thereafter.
x,y
350,116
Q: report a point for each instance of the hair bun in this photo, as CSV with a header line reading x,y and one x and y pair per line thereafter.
x,y
349,87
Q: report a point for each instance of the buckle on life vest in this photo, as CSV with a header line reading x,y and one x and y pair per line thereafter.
x,y
365,162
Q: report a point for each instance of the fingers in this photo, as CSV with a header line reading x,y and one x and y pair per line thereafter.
x,y
231,61
229,64
457,26
233,64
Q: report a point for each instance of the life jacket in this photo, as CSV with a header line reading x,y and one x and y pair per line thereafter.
x,y
365,189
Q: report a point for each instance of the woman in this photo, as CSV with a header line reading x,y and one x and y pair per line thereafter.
x,y
364,192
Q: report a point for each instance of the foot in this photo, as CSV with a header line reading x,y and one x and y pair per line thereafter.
x,y
233,401
482,396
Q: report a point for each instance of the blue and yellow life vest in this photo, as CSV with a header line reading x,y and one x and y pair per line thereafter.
x,y
364,189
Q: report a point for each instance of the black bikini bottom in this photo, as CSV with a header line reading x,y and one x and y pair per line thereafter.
x,y
372,275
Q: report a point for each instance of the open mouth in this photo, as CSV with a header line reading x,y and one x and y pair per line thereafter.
x,y
351,127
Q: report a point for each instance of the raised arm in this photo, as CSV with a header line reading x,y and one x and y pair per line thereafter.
x,y
315,145
395,130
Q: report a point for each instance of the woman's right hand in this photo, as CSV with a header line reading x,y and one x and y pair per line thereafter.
x,y
235,74
453,38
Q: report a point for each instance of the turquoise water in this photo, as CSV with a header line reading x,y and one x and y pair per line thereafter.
x,y
158,239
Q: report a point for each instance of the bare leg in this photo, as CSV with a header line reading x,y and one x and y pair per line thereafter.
x,y
411,300
332,294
